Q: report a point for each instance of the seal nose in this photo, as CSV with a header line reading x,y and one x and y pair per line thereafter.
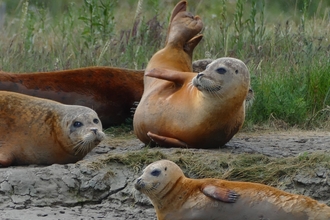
x,y
94,130
138,185
199,75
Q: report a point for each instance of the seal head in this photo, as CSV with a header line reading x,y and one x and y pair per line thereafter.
x,y
41,131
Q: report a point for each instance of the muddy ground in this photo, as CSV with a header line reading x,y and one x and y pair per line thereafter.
x,y
87,190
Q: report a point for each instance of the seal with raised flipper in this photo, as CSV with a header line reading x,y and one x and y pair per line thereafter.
x,y
175,196
182,37
41,131
182,109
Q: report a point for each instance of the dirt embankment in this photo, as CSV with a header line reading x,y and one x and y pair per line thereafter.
x,y
90,190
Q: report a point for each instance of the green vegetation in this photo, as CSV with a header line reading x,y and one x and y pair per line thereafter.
x,y
242,167
284,43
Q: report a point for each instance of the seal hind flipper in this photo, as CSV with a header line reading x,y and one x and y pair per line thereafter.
x,y
181,6
5,158
192,43
166,141
220,193
133,108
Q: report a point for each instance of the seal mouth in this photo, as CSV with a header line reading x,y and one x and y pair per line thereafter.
x,y
88,142
205,85
139,184
145,187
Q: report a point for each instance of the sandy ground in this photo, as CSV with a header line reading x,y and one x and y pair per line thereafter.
x,y
122,206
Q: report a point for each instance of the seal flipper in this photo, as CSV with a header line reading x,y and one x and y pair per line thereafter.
x,y
133,108
5,158
191,44
181,6
166,141
171,75
220,193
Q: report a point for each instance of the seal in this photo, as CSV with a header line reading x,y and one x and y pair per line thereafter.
x,y
40,131
175,196
109,91
200,65
182,37
182,109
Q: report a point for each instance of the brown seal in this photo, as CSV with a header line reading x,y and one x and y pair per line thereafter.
x,y
109,91
175,196
41,131
182,37
187,110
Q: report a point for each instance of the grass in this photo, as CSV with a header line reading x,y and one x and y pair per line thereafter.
x,y
285,44
241,167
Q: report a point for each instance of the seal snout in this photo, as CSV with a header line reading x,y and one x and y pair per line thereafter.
x,y
139,184
94,130
199,75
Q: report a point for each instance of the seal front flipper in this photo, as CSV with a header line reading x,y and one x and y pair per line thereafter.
x,y
220,193
177,77
166,141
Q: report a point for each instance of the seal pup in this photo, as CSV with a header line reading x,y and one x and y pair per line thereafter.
x,y
185,109
175,196
41,131
109,91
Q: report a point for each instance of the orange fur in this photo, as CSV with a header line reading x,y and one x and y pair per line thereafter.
x,y
175,196
41,131
110,91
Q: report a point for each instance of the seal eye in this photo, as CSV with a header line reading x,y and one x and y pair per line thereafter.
x,y
221,70
155,172
96,121
77,124
236,71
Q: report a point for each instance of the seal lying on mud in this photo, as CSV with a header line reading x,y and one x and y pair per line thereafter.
x,y
183,109
109,91
41,131
176,197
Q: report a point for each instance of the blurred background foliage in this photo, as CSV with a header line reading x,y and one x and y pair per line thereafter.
x,y
285,44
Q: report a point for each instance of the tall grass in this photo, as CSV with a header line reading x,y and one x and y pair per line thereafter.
x,y
285,44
